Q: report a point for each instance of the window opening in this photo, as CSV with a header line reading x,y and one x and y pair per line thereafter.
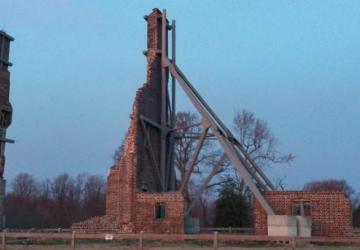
x,y
159,211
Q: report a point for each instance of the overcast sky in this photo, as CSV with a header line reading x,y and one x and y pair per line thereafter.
x,y
78,63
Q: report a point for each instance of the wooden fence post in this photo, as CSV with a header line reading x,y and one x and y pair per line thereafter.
x,y
73,240
3,241
293,243
215,240
141,240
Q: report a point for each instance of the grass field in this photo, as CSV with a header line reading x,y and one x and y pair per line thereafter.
x,y
54,241
174,246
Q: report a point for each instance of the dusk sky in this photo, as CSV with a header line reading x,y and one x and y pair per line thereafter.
x,y
78,63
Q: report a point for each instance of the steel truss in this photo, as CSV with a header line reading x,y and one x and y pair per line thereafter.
x,y
249,171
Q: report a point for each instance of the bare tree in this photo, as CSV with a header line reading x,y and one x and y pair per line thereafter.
x,y
20,203
331,185
54,203
94,196
63,194
185,146
24,185
189,129
259,142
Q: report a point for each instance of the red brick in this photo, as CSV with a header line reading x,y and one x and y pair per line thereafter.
x,y
127,208
331,211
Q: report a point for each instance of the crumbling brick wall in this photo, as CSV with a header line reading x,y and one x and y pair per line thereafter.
x,y
331,212
135,170
129,208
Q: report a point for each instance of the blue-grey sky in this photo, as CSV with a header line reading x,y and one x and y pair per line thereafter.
x,y
78,63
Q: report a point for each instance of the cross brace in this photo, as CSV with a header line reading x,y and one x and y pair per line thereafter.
x,y
253,176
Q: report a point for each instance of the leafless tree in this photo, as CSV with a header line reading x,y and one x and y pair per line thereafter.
x,y
94,196
331,185
56,202
259,142
24,185
63,194
189,129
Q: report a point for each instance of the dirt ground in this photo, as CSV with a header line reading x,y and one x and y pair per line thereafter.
x,y
174,247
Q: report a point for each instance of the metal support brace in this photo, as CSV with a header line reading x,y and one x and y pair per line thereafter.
x,y
218,166
194,159
151,151
186,127
150,122
220,131
171,175
255,166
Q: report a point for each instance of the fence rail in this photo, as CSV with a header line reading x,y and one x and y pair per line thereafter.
x,y
215,238
229,230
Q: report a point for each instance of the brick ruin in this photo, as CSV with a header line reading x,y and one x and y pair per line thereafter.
x,y
5,112
331,212
134,202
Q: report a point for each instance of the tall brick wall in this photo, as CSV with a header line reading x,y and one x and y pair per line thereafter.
x,y
331,212
148,101
135,170
127,207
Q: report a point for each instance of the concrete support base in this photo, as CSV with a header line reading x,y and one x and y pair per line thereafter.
x,y
289,226
304,225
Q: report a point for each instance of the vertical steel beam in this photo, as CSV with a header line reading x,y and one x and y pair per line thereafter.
x,y
173,58
171,164
163,142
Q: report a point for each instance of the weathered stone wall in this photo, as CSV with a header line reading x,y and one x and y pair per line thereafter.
x,y
331,212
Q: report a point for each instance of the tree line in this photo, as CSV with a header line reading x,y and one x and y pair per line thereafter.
x,y
223,201
63,200
53,203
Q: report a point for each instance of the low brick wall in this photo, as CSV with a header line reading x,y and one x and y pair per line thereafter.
x,y
100,224
174,213
145,204
331,212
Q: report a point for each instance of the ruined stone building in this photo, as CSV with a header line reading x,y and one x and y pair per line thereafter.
x,y
136,199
